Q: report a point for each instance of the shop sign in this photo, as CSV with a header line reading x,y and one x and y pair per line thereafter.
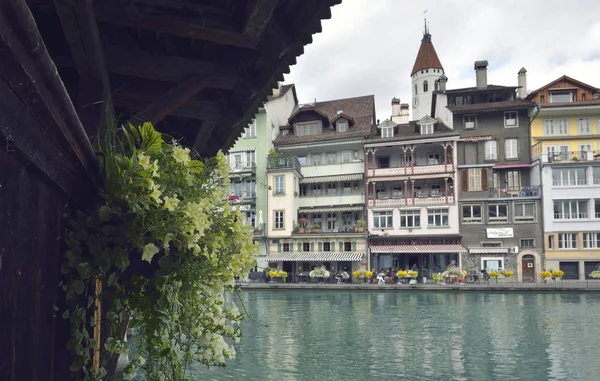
x,y
500,232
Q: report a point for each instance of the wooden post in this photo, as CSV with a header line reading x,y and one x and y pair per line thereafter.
x,y
97,315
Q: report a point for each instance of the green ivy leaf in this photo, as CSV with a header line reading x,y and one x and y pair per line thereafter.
x,y
111,279
78,286
90,301
65,314
105,213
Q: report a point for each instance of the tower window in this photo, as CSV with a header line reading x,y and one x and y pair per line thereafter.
x,y
416,89
425,86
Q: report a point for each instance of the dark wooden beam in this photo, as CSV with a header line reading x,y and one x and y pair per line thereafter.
x,y
205,112
81,32
173,98
135,16
259,17
203,136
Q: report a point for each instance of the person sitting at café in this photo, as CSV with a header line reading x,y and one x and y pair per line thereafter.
x,y
345,276
381,277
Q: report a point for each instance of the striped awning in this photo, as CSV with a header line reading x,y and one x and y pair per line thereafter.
x,y
340,208
488,250
316,257
331,179
417,249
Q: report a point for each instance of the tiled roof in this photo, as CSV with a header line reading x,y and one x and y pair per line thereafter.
x,y
427,58
593,102
411,131
360,109
491,106
476,89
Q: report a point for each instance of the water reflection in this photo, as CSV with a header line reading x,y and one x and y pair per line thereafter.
x,y
339,335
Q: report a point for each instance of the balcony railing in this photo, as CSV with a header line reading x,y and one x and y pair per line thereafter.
x,y
243,198
331,200
351,228
573,156
409,170
569,182
570,216
283,162
259,230
238,169
531,191
421,201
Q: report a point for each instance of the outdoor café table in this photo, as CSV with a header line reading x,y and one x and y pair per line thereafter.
x,y
302,278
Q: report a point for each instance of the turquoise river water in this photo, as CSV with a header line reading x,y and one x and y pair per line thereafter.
x,y
369,335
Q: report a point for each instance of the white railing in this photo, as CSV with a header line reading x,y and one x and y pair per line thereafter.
x,y
416,170
310,201
440,200
333,169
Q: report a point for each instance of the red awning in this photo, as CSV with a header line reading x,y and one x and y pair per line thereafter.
x,y
417,249
515,165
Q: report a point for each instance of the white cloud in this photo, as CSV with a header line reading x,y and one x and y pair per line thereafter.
x,y
369,46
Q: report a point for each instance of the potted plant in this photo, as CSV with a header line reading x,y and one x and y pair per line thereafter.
x,y
596,273
494,274
256,231
321,273
368,275
315,228
303,223
545,275
558,274
437,278
278,276
272,157
360,226
298,229
508,273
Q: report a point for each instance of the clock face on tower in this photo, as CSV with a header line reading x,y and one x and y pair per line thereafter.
x,y
415,101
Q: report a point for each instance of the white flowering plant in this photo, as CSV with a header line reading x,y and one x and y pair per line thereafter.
x,y
166,246
320,272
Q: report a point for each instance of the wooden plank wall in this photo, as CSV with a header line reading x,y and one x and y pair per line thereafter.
x,y
580,93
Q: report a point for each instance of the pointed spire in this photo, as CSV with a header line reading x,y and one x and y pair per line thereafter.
x,y
426,57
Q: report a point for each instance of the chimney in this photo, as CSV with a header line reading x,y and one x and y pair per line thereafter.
x,y
522,91
277,90
481,74
442,83
404,109
395,106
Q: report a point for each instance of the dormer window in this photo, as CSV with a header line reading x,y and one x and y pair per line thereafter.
x,y
387,132
309,128
342,126
561,96
427,129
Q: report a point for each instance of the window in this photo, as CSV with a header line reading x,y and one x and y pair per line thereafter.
x,y
583,97
527,243
474,179
278,214
382,220
416,87
511,119
469,121
427,129
491,150
513,180
331,221
556,127
567,241
305,246
303,188
591,240
342,126
316,159
425,86
583,150
498,212
383,162
346,156
279,186
286,247
331,189
569,176
410,218
491,244
492,264
331,158
326,246
302,160
570,209
306,129
387,132
561,96
511,149
471,213
550,242
525,211
347,246
250,131
584,126
250,159
315,190
316,219
542,99
437,217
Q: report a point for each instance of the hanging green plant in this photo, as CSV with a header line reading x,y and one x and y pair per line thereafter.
x,y
164,246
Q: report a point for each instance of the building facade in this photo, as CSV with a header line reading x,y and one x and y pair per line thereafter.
x,y
248,163
498,196
565,138
316,175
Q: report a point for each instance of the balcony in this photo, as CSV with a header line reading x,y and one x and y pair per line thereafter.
x,y
259,230
419,201
515,192
333,169
239,170
283,162
409,171
244,198
565,156
330,200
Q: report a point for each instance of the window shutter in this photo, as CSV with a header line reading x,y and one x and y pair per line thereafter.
x,y
279,247
299,247
465,179
332,246
484,179
312,246
341,246
320,246
354,246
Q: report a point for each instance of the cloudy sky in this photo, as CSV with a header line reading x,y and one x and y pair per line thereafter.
x,y
369,46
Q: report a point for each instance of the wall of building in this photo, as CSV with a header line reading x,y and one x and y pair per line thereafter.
x,y
286,202
425,98
442,112
424,229
574,139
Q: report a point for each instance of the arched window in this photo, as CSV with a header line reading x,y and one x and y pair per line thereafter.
x,y
415,89
436,85
425,86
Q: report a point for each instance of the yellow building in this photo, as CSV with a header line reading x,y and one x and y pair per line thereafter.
x,y
565,139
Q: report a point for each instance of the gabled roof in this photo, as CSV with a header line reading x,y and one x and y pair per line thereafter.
x,y
427,58
387,123
563,78
426,120
476,89
283,89
360,109
343,115
307,108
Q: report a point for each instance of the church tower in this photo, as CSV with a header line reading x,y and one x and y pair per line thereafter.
x,y
425,76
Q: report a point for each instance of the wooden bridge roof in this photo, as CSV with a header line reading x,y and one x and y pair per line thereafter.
x,y
199,69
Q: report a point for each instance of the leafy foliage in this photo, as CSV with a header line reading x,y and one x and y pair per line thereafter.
x,y
167,246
